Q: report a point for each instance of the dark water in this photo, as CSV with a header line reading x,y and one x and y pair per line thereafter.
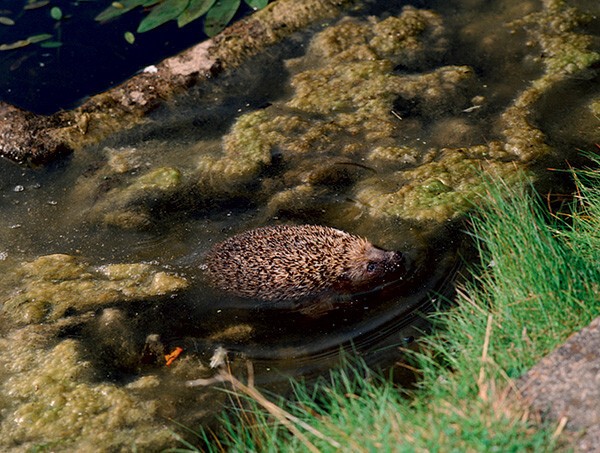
x,y
93,57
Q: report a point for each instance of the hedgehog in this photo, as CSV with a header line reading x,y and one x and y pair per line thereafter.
x,y
296,263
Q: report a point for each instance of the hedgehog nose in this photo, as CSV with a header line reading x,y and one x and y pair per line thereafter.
x,y
397,262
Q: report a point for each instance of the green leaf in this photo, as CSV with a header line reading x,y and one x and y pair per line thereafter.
x,y
164,12
56,13
118,8
129,37
219,16
195,9
6,20
257,4
36,5
15,45
37,38
51,44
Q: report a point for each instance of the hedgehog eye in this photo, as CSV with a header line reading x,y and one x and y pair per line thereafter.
x,y
371,267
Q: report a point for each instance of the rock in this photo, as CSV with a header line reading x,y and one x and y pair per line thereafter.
x,y
566,384
27,138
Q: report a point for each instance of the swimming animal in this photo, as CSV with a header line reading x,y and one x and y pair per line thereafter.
x,y
300,263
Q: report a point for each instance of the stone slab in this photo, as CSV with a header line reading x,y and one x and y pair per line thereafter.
x,y
566,383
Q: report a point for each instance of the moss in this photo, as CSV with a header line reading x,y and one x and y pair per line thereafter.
x,y
130,202
54,285
565,51
54,400
439,190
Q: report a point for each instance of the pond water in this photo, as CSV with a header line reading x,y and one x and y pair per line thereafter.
x,y
385,124
34,76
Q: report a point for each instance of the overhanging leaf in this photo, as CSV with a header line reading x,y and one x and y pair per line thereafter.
x,y
15,45
164,12
195,9
129,37
36,5
257,4
37,38
6,20
118,8
219,16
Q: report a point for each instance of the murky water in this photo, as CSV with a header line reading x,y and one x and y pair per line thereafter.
x,y
395,148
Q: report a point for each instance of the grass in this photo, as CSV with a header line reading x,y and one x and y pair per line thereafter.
x,y
536,284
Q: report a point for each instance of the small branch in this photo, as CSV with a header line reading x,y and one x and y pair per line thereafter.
x,y
285,418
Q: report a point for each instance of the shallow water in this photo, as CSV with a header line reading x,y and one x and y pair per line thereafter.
x,y
162,193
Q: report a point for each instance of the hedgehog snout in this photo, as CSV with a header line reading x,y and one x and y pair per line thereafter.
x,y
395,263
385,263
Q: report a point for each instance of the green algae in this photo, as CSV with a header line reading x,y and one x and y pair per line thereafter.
x,y
408,39
594,107
55,285
53,397
350,96
441,189
363,86
269,25
350,102
566,51
347,107
247,151
125,190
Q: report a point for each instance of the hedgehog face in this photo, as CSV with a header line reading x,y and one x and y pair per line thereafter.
x,y
372,268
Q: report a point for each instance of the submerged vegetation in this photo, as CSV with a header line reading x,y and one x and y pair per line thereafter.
x,y
535,285
217,13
